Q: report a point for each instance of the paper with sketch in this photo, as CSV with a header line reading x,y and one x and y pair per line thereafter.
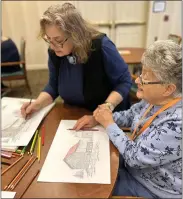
x,y
16,131
7,194
77,157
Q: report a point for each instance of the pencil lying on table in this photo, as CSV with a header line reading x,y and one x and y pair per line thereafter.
x,y
39,149
27,106
7,186
33,142
30,182
43,135
23,150
85,129
22,172
5,163
12,165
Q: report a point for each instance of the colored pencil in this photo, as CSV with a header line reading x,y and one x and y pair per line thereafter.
x,y
33,142
20,173
12,165
29,164
27,106
5,163
23,150
85,129
43,135
6,155
16,154
7,152
30,182
18,151
15,176
39,149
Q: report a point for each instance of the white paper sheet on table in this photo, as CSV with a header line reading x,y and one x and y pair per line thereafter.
x,y
77,157
16,131
7,194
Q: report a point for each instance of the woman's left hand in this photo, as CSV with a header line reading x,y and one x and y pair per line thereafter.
x,y
103,115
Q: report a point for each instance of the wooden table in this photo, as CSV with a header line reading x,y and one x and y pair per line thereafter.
x,y
134,57
60,190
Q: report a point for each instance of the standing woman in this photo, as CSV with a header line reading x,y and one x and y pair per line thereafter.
x,y
85,68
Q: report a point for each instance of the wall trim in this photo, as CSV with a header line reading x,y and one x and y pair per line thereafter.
x,y
36,66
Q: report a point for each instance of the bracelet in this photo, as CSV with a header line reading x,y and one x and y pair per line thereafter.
x,y
109,105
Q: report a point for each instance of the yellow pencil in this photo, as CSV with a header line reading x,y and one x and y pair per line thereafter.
x,y
39,149
33,142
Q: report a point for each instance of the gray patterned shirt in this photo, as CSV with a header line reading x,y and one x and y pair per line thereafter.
x,y
154,158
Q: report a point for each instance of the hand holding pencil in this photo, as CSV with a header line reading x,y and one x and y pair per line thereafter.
x,y
29,108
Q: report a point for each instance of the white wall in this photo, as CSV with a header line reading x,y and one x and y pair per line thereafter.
x,y
159,28
127,23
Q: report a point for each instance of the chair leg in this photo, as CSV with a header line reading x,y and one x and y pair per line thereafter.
x,y
28,86
10,84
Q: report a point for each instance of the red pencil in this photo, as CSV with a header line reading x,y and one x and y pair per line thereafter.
x,y
85,129
43,135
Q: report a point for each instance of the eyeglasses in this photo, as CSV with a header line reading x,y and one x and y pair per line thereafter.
x,y
145,83
56,43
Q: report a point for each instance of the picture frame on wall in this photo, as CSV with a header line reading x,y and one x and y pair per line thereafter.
x,y
159,6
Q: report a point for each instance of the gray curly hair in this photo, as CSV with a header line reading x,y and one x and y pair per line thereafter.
x,y
164,58
70,21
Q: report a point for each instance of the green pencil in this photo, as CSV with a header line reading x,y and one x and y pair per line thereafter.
x,y
23,150
18,151
33,142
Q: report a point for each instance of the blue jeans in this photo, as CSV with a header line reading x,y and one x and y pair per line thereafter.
x,y
127,185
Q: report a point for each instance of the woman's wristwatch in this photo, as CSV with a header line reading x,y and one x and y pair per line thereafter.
x,y
109,105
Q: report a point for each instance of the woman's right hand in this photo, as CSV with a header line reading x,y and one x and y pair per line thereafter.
x,y
87,121
28,109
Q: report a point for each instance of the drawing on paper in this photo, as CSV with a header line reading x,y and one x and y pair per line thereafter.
x,y
83,156
14,129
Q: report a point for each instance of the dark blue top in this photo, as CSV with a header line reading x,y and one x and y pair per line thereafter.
x,y
70,85
9,53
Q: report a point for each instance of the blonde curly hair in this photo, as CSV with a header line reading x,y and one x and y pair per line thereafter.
x,y
68,19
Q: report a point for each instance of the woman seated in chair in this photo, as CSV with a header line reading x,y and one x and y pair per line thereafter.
x,y
9,53
150,157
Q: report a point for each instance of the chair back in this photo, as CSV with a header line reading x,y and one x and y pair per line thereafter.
x,y
22,49
177,39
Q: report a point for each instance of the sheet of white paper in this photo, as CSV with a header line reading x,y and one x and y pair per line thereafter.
x,y
7,194
77,157
16,131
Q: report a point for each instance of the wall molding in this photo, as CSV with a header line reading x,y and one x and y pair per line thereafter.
x,y
36,66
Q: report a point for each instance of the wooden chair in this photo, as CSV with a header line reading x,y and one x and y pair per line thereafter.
x,y
19,75
175,38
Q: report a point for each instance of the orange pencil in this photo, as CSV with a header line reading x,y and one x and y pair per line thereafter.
x,y
11,165
30,182
15,176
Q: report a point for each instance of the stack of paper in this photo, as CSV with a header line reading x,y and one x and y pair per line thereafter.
x,y
7,194
16,131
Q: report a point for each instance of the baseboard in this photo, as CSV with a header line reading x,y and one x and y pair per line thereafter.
x,y
36,66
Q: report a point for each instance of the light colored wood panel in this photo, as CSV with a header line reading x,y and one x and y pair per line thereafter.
x,y
159,28
96,11
133,36
130,11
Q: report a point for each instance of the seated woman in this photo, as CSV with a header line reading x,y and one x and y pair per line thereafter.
x,y
151,160
9,53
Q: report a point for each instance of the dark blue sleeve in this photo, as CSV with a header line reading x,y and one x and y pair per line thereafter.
x,y
116,69
51,88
